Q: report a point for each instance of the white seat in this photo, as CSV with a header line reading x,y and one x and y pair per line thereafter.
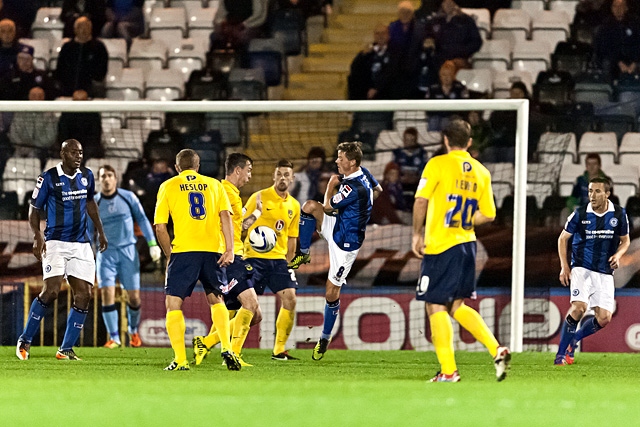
x,y
478,80
405,119
568,176
148,55
110,122
483,20
542,179
128,86
566,6
21,168
50,163
502,179
502,81
532,7
629,150
22,187
55,52
187,55
511,25
376,167
168,24
164,85
199,19
41,52
550,26
494,54
123,143
389,140
144,122
557,147
48,24
118,163
531,56
625,181
117,50
603,143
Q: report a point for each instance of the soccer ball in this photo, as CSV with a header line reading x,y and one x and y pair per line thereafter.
x,y
262,239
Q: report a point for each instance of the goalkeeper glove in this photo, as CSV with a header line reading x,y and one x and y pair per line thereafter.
x,y
155,251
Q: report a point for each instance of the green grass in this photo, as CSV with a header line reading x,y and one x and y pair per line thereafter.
x,y
347,388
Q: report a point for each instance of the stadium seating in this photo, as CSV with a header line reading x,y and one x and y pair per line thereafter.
x,y
8,205
568,175
168,24
405,119
532,7
200,20
494,54
41,52
551,27
117,50
511,25
389,140
269,54
615,117
554,87
206,84
123,143
128,86
48,24
603,143
502,180
148,55
287,25
629,150
483,20
572,57
531,56
477,80
502,81
557,148
566,6
542,180
592,86
20,175
164,85
247,84
211,150
56,47
625,181
186,55
232,127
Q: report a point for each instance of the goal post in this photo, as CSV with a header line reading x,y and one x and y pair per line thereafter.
x,y
517,310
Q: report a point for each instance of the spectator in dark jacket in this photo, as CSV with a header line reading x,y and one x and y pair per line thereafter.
x,y
82,63
373,69
617,41
447,88
21,12
405,37
124,20
9,46
503,130
95,10
85,127
453,34
17,82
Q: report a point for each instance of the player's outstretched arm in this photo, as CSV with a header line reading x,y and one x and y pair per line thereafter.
x,y
92,210
39,246
563,254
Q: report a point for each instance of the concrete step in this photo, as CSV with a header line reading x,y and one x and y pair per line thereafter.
x,y
315,94
332,64
317,80
364,22
338,35
371,8
321,49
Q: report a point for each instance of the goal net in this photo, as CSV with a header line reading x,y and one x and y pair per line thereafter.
x,y
378,306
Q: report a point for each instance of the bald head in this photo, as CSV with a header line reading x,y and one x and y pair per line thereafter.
x,y
405,11
82,28
71,144
7,32
187,159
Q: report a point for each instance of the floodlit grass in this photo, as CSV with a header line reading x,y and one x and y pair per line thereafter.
x,y
347,388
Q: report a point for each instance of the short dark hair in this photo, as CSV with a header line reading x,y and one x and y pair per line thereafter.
x,y
601,180
592,156
284,163
352,150
411,131
108,168
458,133
315,152
235,160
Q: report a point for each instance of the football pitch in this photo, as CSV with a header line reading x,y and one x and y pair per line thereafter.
x,y
347,388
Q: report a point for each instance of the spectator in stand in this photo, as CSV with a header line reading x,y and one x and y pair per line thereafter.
x,y
617,41
453,34
387,205
307,7
480,133
9,46
95,10
405,38
33,133
373,69
21,12
82,63
503,126
307,183
87,127
145,183
243,21
124,20
17,82
580,194
411,159
447,88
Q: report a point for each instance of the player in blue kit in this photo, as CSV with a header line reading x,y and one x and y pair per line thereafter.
x,y
64,194
342,221
600,233
119,209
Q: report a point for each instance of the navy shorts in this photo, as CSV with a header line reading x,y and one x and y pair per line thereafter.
x,y
186,268
239,279
273,274
448,276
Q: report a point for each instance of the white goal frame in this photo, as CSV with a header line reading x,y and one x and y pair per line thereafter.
x,y
520,180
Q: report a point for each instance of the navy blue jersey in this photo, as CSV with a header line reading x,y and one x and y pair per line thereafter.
x,y
353,201
596,237
64,201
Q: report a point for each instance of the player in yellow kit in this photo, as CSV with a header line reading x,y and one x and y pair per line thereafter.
x,y
241,298
455,195
280,212
200,210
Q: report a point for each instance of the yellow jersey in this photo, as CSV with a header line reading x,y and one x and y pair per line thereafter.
x,y
233,193
194,202
281,215
456,186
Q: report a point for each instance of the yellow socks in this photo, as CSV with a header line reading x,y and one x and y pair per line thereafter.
x,y
442,338
473,322
240,328
284,324
213,338
176,329
220,317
